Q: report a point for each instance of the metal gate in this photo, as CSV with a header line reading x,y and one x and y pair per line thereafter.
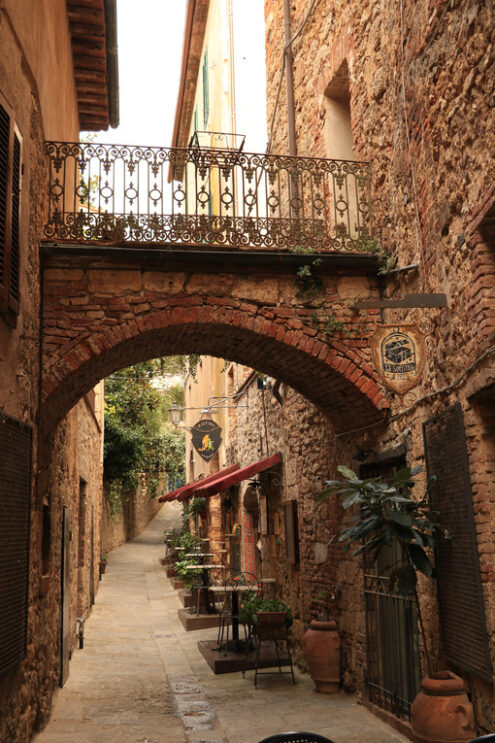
x,y
65,598
393,661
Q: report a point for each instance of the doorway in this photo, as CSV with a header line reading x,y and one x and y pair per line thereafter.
x,y
393,661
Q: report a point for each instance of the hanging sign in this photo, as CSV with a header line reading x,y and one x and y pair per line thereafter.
x,y
399,354
206,438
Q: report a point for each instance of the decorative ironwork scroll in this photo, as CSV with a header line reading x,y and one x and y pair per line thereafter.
x,y
121,194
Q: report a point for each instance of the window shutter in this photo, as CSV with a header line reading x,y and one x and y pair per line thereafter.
x,y
10,181
462,612
15,509
4,201
14,236
206,92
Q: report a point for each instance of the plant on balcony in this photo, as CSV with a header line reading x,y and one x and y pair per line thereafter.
x,y
386,516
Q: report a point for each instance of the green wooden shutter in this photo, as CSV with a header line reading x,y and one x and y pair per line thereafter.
x,y
206,92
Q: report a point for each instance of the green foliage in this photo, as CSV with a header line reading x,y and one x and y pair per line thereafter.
x,y
251,603
197,506
387,516
192,362
307,284
185,574
138,435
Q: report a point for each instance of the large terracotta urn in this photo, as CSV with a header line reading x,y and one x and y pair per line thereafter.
x,y
442,711
321,650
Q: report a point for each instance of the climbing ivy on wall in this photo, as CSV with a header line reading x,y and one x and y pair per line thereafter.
x,y
140,442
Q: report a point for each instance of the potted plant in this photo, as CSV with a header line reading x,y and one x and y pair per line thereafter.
x,y
198,507
103,563
321,646
387,516
252,605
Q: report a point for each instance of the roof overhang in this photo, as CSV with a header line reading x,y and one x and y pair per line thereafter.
x,y
93,30
186,490
227,479
194,34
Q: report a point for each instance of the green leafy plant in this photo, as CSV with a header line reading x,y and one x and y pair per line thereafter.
x,y
251,604
387,517
186,574
197,506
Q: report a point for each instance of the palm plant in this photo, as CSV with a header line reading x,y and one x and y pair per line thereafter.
x,y
388,516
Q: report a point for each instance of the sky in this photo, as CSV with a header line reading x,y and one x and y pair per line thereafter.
x,y
150,34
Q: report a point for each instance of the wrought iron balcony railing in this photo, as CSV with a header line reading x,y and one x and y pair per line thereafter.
x,y
121,194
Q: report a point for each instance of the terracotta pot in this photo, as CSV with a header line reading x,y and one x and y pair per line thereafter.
x,y
442,711
103,566
321,650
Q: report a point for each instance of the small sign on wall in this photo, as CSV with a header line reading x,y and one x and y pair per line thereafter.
x,y
399,354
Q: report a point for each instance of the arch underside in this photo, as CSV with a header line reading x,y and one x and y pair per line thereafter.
x,y
319,381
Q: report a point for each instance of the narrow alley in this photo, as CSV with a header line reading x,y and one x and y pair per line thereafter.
x,y
141,679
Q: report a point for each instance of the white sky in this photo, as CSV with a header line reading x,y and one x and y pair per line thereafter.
x,y
150,37
150,34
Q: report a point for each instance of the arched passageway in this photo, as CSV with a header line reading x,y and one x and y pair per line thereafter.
x,y
98,318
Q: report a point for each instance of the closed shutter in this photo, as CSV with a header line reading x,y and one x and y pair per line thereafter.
x,y
15,509
10,183
14,237
206,90
462,613
4,198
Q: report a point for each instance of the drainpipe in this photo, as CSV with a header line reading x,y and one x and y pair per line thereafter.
x,y
289,78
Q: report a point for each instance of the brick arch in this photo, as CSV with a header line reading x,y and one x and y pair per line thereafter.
x,y
334,377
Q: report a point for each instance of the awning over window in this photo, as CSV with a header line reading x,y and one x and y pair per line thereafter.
x,y
186,490
226,479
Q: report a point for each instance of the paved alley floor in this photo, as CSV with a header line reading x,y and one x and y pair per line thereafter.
x,y
141,679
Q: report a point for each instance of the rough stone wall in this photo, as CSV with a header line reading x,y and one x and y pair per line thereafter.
x,y
421,86
140,507
36,78
309,455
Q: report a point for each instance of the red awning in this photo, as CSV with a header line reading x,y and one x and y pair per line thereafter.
x,y
225,480
186,490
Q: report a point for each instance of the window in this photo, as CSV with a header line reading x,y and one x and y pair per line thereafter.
x,y
206,92
15,509
291,532
10,182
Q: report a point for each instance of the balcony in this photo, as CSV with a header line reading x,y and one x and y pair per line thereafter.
x,y
129,195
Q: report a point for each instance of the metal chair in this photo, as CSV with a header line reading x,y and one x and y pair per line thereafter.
x,y
296,738
226,612
271,627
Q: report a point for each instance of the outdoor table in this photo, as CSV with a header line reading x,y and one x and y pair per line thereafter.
x,y
206,584
199,554
234,590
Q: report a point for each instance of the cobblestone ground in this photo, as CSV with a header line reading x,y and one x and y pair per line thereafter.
x,y
141,679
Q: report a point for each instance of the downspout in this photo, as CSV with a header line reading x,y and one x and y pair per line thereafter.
x,y
289,78
112,61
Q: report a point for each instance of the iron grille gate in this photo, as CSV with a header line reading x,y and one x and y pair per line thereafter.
x,y
462,612
393,663
15,509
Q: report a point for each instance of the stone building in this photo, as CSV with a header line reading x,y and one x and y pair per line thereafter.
x,y
57,76
408,88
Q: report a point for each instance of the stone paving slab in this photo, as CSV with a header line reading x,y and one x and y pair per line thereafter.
x,y
142,679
